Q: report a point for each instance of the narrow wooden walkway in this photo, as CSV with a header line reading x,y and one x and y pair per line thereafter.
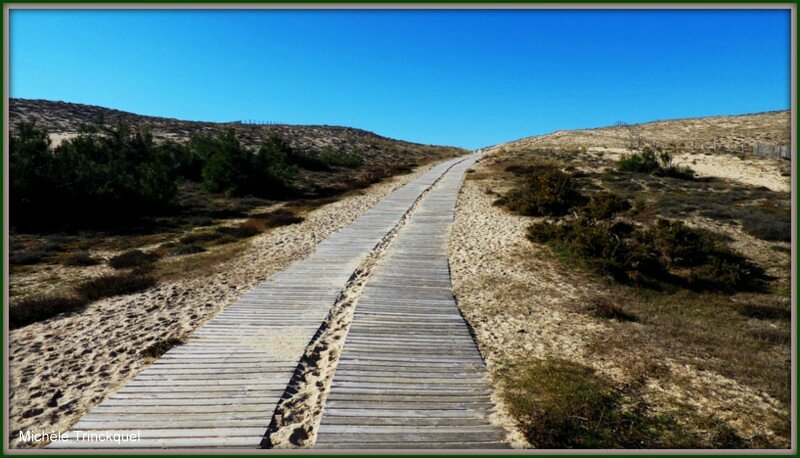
x,y
410,375
220,389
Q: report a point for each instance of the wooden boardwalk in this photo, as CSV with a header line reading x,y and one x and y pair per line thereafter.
x,y
220,389
410,375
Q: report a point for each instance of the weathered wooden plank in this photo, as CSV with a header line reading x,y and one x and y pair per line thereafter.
x,y
409,362
191,442
413,445
368,436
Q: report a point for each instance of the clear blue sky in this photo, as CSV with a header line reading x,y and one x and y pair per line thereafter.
x,y
465,78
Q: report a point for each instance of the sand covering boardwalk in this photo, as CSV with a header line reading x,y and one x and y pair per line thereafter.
x,y
220,389
410,375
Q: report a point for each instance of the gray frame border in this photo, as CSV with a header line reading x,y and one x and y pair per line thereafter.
x,y
400,6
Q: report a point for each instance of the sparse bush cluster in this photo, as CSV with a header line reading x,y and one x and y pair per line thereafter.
x,y
654,161
80,259
31,310
561,404
546,191
38,308
133,259
667,251
198,241
766,221
225,166
647,253
277,218
114,285
324,160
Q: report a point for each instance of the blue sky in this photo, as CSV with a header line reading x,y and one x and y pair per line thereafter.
x,y
464,78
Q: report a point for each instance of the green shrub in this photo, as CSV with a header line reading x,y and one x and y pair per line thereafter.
x,y
560,404
656,162
773,224
681,173
277,218
605,205
726,272
102,175
547,191
226,165
766,311
115,285
34,309
200,237
309,160
179,248
647,256
241,231
82,258
230,169
645,161
27,257
133,258
680,245
340,158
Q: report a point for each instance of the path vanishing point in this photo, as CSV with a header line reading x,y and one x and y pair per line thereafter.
x,y
409,376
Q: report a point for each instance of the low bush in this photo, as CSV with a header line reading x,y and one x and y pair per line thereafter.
x,y
769,223
277,218
680,245
681,173
726,272
780,337
115,285
546,191
179,248
765,311
656,162
341,158
82,258
648,256
200,237
133,258
27,257
227,167
241,231
371,176
520,170
605,205
34,309
309,160
645,161
560,404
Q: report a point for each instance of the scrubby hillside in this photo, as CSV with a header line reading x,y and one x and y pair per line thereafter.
x,y
726,133
380,155
718,146
634,295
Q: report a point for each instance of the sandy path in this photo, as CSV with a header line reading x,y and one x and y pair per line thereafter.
x,y
64,366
